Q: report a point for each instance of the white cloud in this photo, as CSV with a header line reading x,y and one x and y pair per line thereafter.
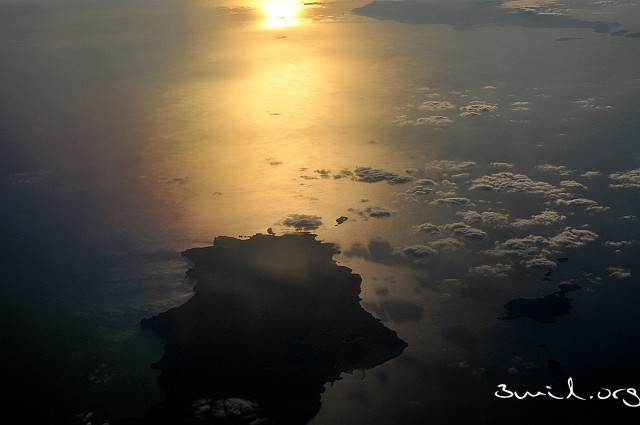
x,y
495,270
374,175
626,179
619,272
436,105
445,164
545,218
379,212
302,221
477,108
501,164
455,201
534,250
572,184
421,187
466,231
428,228
419,251
511,183
556,169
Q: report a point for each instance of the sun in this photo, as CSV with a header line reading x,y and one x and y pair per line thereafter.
x,y
280,13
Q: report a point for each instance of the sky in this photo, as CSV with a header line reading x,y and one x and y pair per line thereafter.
x,y
474,162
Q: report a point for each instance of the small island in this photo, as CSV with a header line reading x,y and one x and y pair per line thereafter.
x,y
272,320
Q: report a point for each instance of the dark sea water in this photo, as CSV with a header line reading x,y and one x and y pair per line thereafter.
x,y
475,163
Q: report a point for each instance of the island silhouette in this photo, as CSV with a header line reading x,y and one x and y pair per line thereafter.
x,y
272,320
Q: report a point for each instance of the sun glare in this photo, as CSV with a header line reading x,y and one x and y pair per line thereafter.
x,y
281,13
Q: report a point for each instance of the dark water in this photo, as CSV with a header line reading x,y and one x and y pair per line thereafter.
x,y
475,163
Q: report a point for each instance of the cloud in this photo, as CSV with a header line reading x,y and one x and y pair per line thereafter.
x,y
572,184
302,221
572,238
494,218
324,173
589,204
493,271
379,212
520,106
178,180
446,164
591,174
534,250
545,218
432,120
556,169
436,105
460,176
590,103
428,228
466,231
501,164
374,175
619,272
618,244
626,179
447,244
477,108
421,187
419,251
470,217
513,183
455,201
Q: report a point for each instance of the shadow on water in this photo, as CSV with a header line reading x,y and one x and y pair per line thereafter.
x,y
545,309
273,319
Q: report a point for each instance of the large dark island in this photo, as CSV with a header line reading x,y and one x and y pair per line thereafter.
x,y
272,320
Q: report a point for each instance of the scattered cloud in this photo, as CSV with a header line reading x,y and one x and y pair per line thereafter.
x,y
619,272
589,204
494,218
466,231
477,107
445,164
618,244
421,187
436,105
302,221
428,228
534,250
545,218
447,244
324,173
419,251
374,175
379,212
572,184
556,169
491,270
501,164
512,183
626,179
455,201
520,106
432,120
